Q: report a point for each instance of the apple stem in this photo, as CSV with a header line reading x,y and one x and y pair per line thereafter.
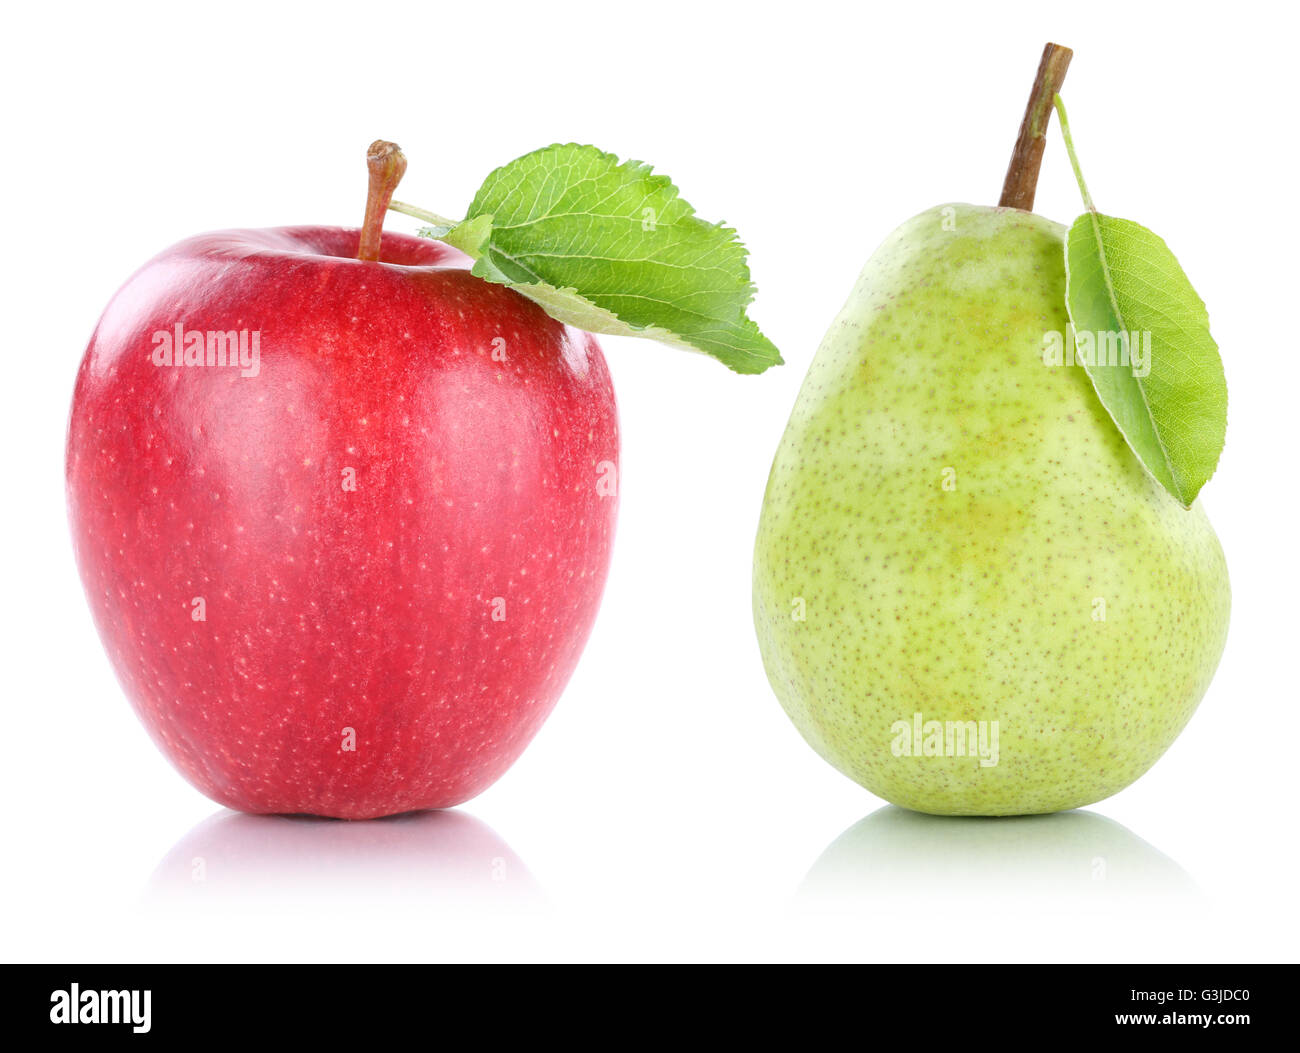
x,y
387,165
1021,181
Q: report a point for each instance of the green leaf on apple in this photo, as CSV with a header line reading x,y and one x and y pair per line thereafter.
x,y
611,247
1143,335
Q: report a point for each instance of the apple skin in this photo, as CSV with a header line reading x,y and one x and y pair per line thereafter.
x,y
368,651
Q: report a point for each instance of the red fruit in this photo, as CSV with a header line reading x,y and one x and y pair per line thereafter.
x,y
349,577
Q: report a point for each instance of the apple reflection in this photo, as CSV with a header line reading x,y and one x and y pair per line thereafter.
x,y
431,859
1072,859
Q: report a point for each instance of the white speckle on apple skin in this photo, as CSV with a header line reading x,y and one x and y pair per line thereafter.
x,y
329,609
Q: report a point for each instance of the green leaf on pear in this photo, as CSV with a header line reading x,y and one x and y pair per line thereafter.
x,y
1169,398
1143,335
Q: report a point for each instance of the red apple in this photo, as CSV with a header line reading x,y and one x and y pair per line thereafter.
x,y
350,573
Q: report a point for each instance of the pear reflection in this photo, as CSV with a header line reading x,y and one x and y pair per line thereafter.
x,y
431,858
1071,859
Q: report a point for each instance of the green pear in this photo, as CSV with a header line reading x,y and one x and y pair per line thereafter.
x,y
970,596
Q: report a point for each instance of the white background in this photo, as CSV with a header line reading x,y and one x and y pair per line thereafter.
x,y
668,810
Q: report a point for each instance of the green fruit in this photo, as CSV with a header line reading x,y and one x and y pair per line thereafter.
x,y
953,528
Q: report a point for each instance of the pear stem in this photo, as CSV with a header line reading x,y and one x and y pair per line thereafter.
x,y
1021,181
387,165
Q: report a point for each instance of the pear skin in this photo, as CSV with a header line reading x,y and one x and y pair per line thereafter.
x,y
970,596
